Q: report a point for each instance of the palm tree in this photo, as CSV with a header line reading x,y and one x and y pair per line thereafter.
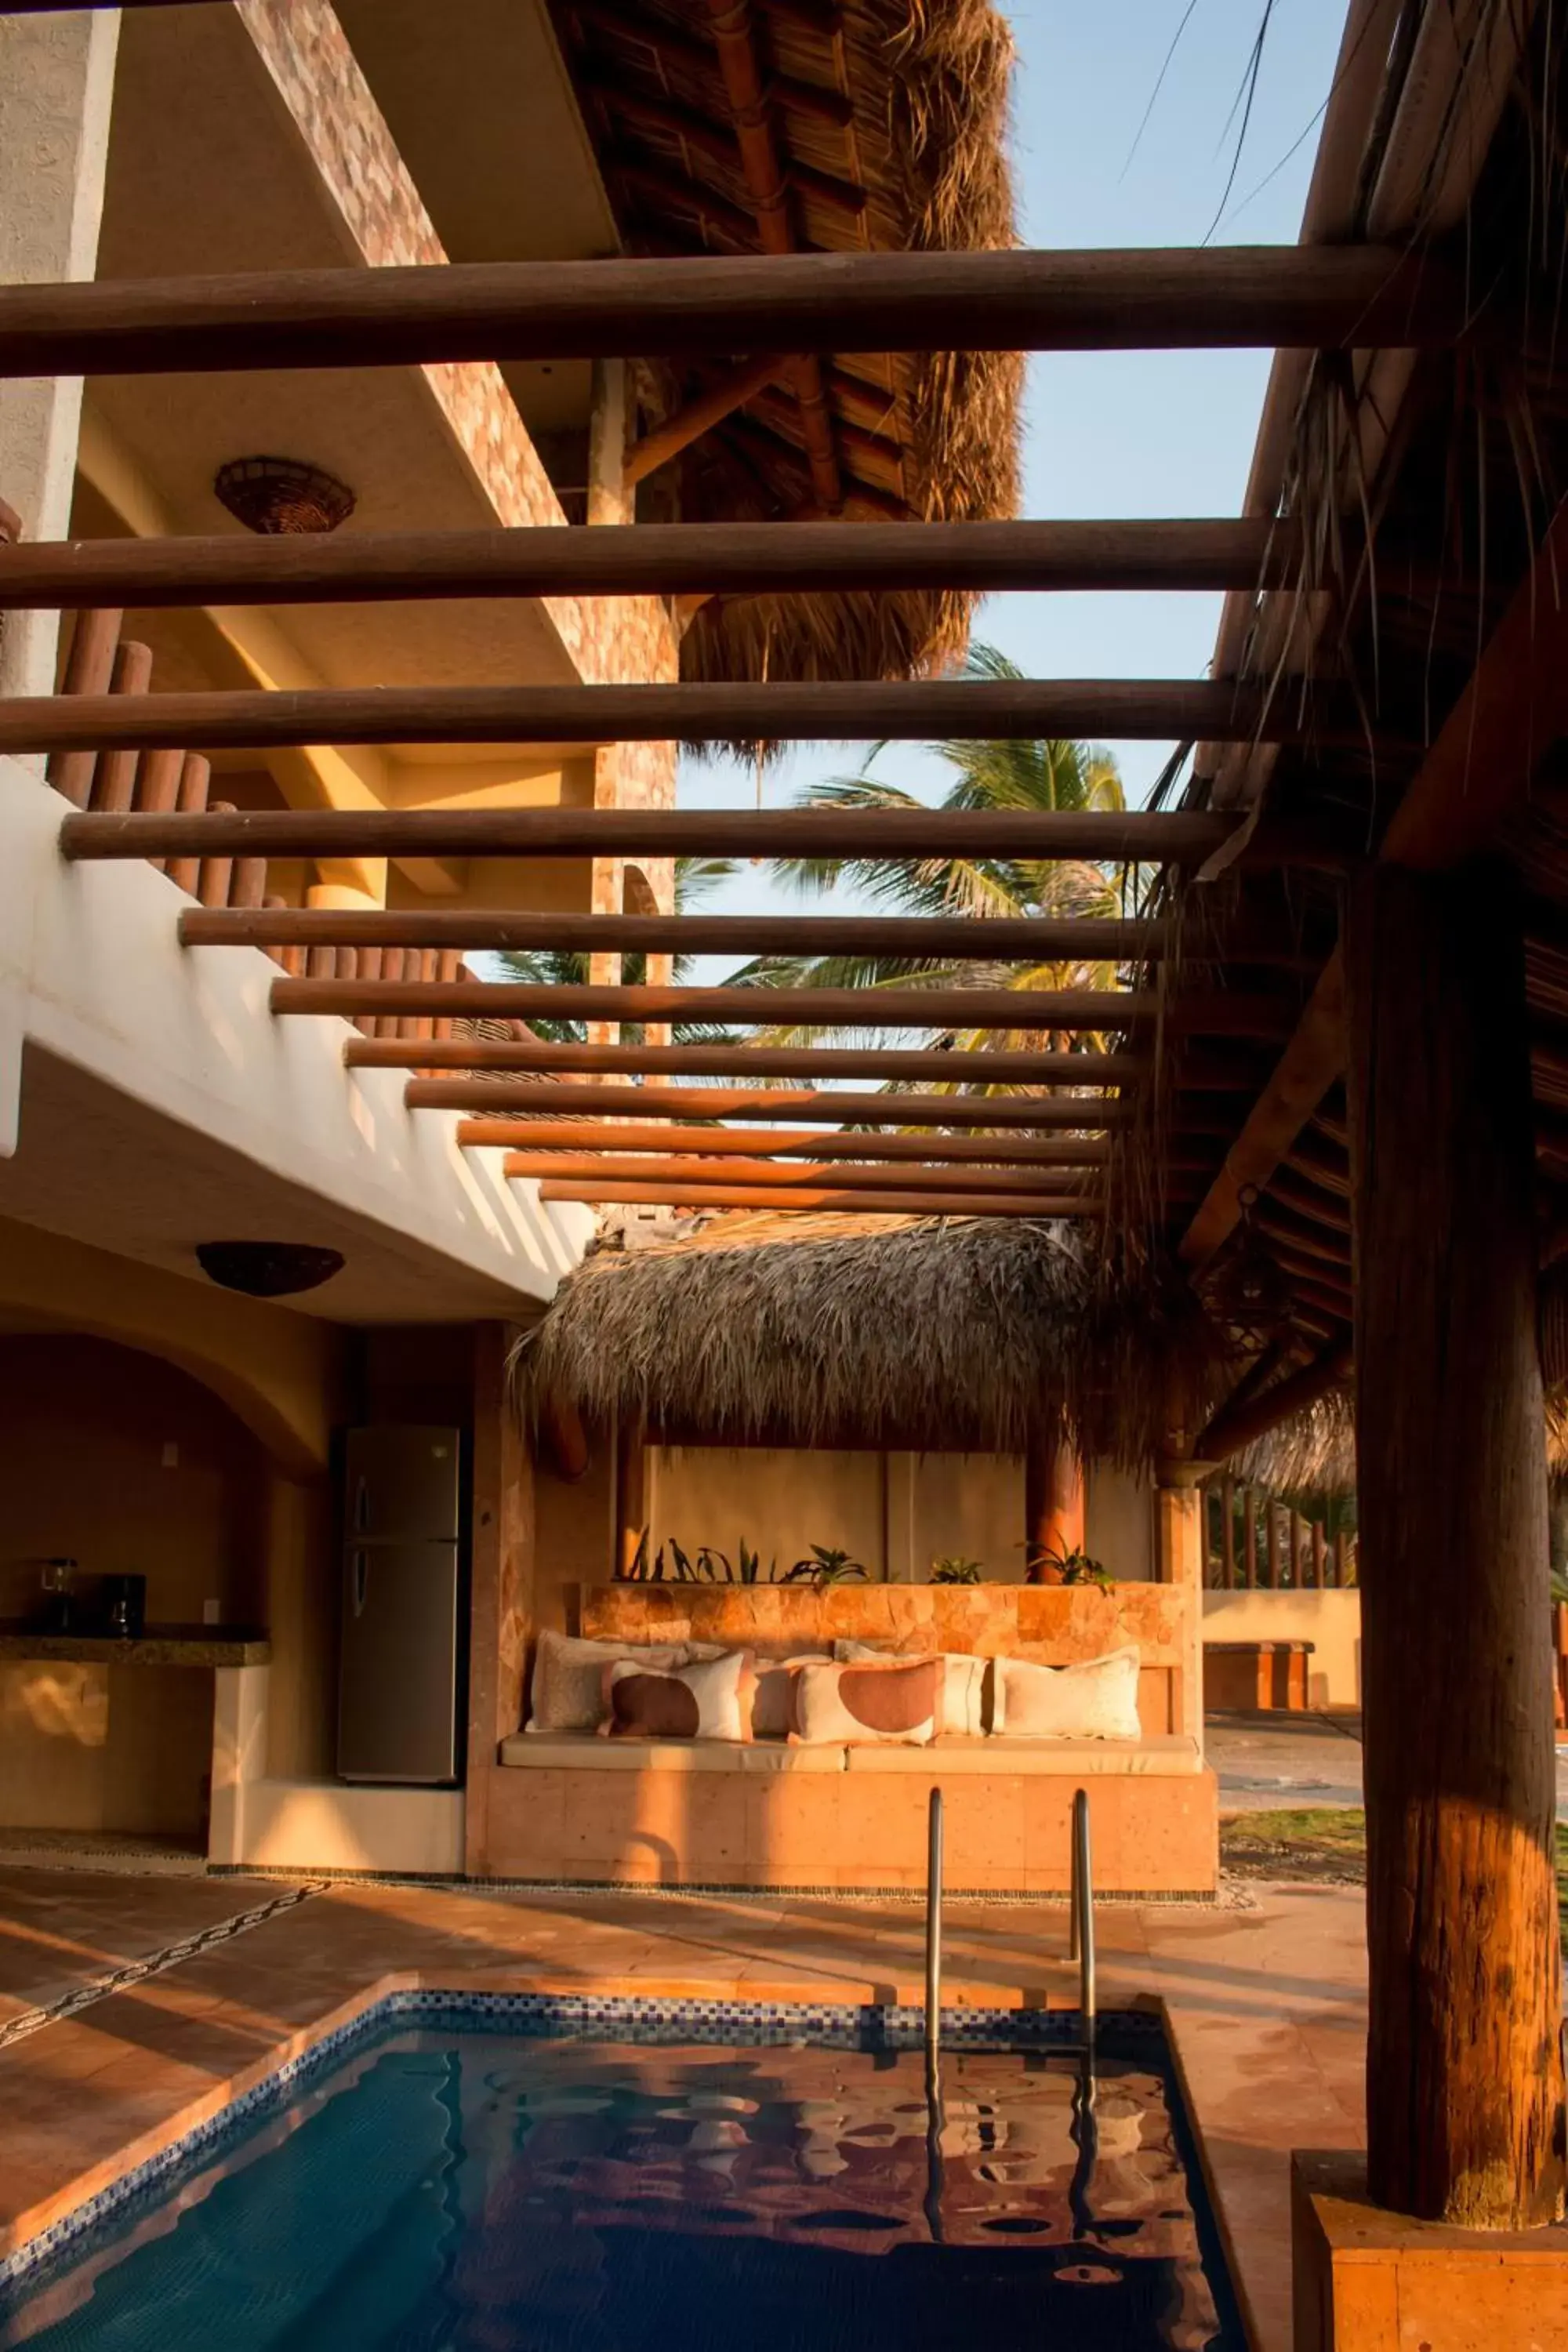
x,y
695,879
1037,775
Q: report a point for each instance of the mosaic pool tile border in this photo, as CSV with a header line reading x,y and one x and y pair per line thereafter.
x,y
745,2023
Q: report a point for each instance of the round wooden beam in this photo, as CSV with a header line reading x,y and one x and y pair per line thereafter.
x,y
778,1106
548,1135
953,937
712,559
1105,835
1255,298
808,1062
590,1168
1085,1010
826,1008
898,1204
833,711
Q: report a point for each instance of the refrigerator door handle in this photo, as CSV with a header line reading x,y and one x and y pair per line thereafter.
x,y
361,1582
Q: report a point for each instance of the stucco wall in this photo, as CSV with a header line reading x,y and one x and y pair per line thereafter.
x,y
1330,1621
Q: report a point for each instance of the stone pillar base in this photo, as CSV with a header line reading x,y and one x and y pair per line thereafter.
x,y
1370,2280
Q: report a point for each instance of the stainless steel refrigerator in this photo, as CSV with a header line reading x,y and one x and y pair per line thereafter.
x,y
402,1655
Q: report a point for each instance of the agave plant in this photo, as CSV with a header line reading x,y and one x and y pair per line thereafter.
x,y
1047,1567
954,1569
823,1566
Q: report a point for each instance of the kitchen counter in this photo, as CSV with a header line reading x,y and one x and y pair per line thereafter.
x,y
158,1645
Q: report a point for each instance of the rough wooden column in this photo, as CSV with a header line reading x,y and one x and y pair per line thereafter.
x,y
1053,1498
500,1582
631,1492
1464,2080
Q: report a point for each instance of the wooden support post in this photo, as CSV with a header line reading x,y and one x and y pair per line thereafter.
x,y
1053,1503
1249,1538
90,666
215,874
1319,1577
1339,1558
1227,1534
501,1582
631,1493
196,783
1295,1519
1464,2075
114,784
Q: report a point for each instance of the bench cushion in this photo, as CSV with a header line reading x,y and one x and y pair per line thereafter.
x,y
583,1751
1167,1756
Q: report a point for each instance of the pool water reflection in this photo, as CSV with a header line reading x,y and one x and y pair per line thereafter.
x,y
467,2191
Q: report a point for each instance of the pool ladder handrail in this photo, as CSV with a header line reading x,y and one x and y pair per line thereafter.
x,y
933,1927
1080,1944
1080,1907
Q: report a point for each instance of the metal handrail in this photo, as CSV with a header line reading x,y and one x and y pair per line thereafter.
x,y
1081,1946
933,1927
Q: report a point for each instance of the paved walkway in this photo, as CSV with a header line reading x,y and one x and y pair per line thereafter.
x,y
1265,2005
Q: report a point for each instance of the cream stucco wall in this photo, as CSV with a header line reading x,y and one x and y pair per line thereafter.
x,y
1330,1620
895,1512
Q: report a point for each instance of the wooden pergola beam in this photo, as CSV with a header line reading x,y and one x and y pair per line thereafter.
x,y
1241,1421
649,558
808,1062
1311,297
1084,1010
1513,707
1107,836
792,712
782,1179
721,1143
944,939
900,1204
777,1106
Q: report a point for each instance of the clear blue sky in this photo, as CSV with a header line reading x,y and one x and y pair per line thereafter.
x,y
1120,433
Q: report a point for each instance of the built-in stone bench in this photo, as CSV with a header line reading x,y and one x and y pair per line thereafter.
x,y
578,1806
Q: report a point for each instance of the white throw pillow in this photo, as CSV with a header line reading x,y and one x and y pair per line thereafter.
x,y
962,1683
568,1689
1097,1699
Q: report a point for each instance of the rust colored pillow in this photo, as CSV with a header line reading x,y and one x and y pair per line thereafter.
x,y
860,1706
712,1700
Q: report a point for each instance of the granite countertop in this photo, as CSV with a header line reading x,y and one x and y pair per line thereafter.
x,y
158,1645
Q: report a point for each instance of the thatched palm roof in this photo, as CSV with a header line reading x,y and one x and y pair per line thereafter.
x,y
889,120
921,1334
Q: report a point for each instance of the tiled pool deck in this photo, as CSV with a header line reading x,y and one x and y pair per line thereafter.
x,y
1265,2006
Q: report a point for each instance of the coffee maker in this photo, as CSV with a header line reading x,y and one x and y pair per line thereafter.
x,y
124,1607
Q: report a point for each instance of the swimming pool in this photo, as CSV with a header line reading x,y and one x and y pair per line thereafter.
x,y
491,2177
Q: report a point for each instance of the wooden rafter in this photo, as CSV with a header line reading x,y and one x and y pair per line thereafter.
x,y
779,1106
890,1204
1213,298
1061,1010
247,720
885,1064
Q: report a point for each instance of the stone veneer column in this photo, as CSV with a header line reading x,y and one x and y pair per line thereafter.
x,y
56,84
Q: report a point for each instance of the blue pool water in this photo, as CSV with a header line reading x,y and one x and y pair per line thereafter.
x,y
442,2189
